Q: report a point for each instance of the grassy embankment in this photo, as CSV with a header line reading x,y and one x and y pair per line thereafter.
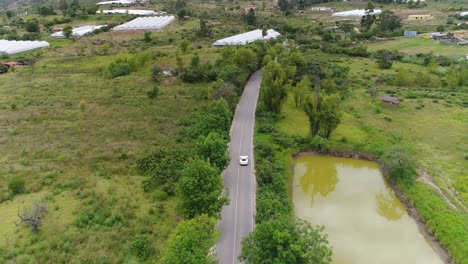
x,y
433,129
74,136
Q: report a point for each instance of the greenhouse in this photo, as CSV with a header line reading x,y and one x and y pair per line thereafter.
x,y
129,12
355,13
13,46
146,23
120,2
248,37
78,31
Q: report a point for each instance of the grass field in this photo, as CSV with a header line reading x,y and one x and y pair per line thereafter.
x,y
420,45
75,136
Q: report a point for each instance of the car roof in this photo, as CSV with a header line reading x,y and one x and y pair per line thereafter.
x,y
244,157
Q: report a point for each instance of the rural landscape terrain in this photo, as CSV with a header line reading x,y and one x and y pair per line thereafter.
x,y
122,123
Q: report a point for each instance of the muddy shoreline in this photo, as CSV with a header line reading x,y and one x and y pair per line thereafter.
x,y
412,211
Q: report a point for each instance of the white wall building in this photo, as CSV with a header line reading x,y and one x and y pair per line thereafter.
x,y
78,31
13,46
246,38
355,13
146,23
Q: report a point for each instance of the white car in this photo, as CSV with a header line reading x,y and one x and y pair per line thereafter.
x,y
244,160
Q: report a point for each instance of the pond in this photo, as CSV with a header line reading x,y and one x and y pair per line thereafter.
x,y
365,221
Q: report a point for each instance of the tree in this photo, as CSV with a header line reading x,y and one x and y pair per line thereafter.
x,y
75,4
273,85
201,190
45,10
312,109
32,25
250,17
384,59
440,28
184,45
369,18
163,168
16,185
180,62
286,241
63,5
246,59
33,217
300,91
346,28
141,246
9,14
147,37
388,21
214,149
205,30
397,162
67,31
330,114
283,5
191,241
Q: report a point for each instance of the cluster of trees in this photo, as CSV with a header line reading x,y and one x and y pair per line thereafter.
x,y
386,21
234,66
125,64
277,237
191,169
322,109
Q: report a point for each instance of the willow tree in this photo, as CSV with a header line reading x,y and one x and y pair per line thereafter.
x,y
300,91
312,108
323,112
274,93
330,114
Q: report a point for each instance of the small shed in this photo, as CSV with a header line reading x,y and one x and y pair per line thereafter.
x,y
12,64
247,9
419,17
390,101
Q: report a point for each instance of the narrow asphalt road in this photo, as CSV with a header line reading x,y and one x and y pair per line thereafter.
x,y
237,218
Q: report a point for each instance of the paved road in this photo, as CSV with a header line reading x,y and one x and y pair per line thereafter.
x,y
237,219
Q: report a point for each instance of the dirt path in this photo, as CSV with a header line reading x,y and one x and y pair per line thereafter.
x,y
425,178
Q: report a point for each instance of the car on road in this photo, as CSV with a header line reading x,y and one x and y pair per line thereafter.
x,y
244,160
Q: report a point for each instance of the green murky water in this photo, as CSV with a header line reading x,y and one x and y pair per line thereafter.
x,y
365,222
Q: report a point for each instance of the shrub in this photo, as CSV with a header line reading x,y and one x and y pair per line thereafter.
x,y
117,69
83,105
16,186
141,246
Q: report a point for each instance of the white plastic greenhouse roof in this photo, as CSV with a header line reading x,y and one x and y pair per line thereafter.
x,y
464,14
146,23
78,31
355,13
13,46
119,2
130,12
246,38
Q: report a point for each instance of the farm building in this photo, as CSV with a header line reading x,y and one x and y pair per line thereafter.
x,y
13,46
462,14
247,9
419,17
78,31
355,13
321,8
146,23
12,64
119,2
246,38
390,101
131,12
